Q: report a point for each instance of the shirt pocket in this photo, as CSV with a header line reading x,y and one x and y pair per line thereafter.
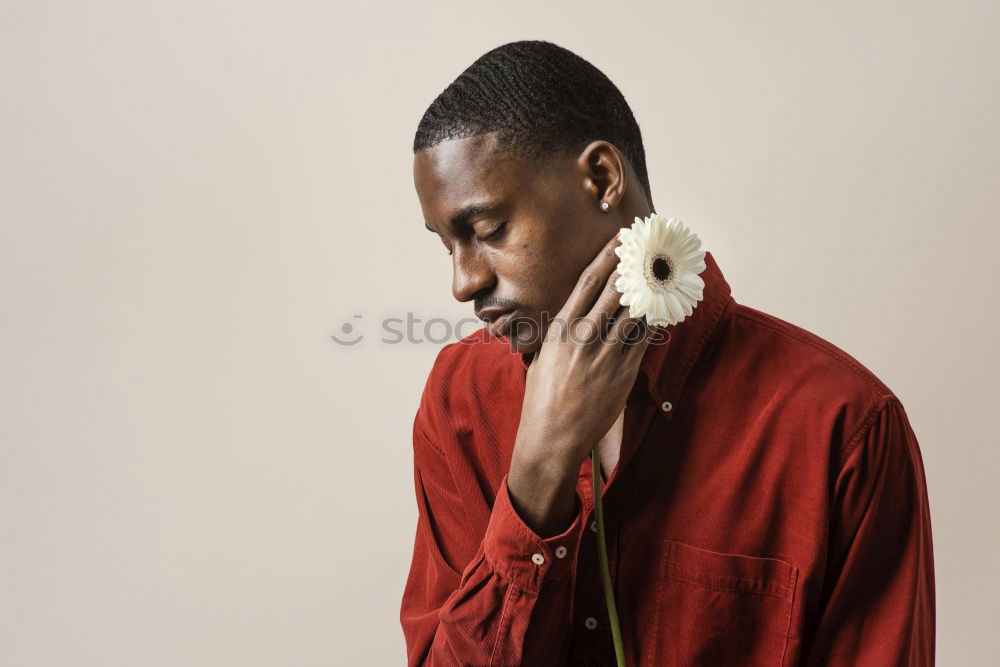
x,y
721,608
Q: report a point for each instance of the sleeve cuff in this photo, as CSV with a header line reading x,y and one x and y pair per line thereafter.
x,y
516,551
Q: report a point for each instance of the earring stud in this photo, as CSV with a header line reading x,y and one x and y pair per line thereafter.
x,y
604,205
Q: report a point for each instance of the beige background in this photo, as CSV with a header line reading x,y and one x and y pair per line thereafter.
x,y
195,195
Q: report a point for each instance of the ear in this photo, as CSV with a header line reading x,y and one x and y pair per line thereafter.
x,y
603,171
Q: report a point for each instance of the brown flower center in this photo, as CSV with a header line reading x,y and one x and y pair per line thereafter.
x,y
660,268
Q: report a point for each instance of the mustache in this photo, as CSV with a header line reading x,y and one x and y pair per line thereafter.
x,y
495,304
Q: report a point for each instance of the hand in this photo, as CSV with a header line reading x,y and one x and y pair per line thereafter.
x,y
575,389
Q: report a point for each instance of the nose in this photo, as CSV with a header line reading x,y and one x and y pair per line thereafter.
x,y
472,274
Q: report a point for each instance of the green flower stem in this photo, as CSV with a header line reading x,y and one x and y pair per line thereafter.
x,y
602,549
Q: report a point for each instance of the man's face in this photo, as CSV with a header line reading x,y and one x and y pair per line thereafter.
x,y
533,228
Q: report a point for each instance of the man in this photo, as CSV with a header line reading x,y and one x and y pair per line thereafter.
x,y
764,499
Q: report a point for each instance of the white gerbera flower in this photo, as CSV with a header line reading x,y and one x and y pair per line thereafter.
x,y
660,260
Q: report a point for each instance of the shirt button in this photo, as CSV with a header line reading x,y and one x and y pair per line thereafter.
x,y
667,407
593,525
560,551
591,623
538,559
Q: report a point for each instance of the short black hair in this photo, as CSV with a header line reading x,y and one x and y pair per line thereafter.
x,y
541,99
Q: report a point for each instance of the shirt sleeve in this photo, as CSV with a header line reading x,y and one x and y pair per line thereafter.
x,y
509,604
878,600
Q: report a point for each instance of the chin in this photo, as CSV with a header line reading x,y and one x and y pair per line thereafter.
x,y
523,347
529,340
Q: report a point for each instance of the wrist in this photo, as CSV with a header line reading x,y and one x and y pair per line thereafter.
x,y
543,495
551,466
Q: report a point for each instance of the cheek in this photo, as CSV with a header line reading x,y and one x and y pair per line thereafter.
x,y
541,284
521,271
524,273
540,272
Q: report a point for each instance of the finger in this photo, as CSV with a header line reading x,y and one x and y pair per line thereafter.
x,y
625,330
607,304
591,282
603,329
634,350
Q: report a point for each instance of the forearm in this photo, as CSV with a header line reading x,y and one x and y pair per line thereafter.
x,y
512,603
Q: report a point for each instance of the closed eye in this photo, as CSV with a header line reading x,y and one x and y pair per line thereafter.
x,y
492,235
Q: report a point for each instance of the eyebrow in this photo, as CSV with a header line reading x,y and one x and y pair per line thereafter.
x,y
469,211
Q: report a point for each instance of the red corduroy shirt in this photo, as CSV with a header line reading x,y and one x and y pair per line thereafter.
x,y
769,507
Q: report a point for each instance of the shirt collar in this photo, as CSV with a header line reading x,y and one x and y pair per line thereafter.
x,y
665,365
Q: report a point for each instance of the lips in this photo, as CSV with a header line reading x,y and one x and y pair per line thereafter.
x,y
497,325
